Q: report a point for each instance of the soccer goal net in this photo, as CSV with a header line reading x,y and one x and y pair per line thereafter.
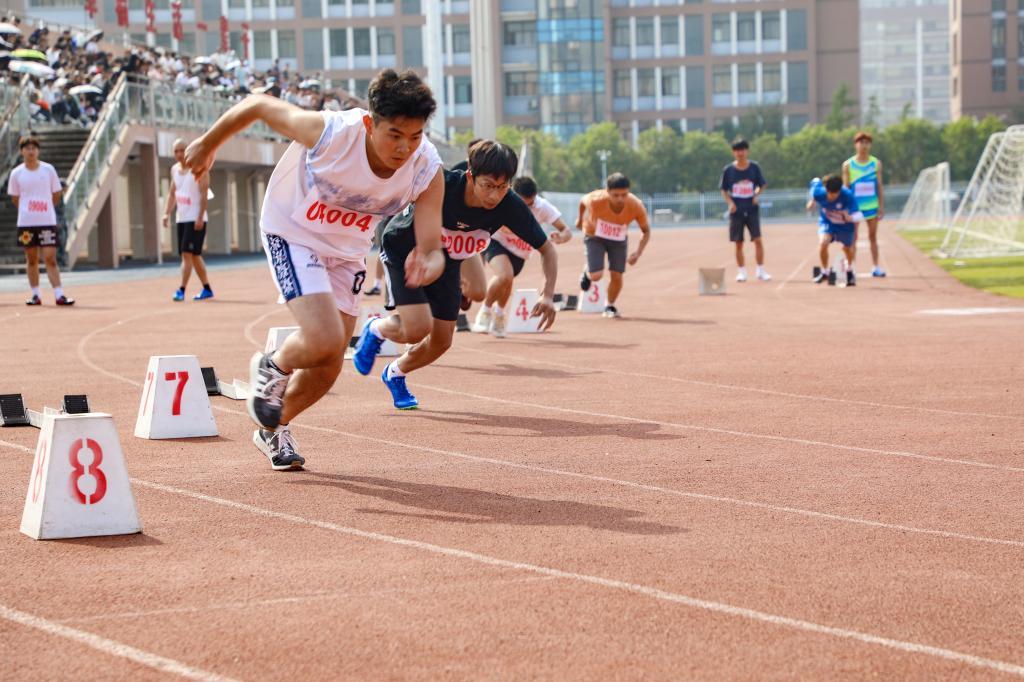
x,y
927,208
990,218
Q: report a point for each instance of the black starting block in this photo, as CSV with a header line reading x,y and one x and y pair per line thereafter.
x,y
12,410
571,302
76,404
462,323
210,379
557,298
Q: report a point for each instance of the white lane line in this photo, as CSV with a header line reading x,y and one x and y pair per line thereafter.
x,y
610,583
109,646
252,325
795,272
88,337
16,446
733,387
731,432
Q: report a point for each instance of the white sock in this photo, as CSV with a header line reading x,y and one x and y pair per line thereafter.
x,y
394,371
58,292
760,269
35,291
375,327
498,309
376,283
742,269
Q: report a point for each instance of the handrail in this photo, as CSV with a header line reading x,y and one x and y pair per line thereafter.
x,y
14,118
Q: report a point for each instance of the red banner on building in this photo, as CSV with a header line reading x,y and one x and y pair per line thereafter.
x,y
90,8
225,42
150,16
201,25
122,13
245,41
177,30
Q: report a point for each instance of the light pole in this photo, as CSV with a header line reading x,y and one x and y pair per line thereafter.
x,y
603,154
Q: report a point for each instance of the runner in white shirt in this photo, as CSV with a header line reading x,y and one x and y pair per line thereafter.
x,y
507,254
188,196
344,172
35,189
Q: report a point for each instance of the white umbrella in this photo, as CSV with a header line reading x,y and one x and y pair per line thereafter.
x,y
85,90
310,83
230,66
95,35
202,60
31,68
9,29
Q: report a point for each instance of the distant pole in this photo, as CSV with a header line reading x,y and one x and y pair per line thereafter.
x,y
603,154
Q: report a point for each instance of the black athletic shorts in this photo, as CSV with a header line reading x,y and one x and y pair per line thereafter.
x,y
190,240
443,295
749,218
597,247
498,249
42,235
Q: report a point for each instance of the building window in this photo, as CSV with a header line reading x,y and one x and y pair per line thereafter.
x,y
460,38
796,77
670,82
746,75
312,48
412,45
620,32
261,45
411,7
998,5
339,42
286,44
669,31
771,78
771,26
645,83
721,79
695,87
999,78
520,33
521,84
746,27
796,29
645,31
361,42
463,90
999,38
694,28
623,83
721,30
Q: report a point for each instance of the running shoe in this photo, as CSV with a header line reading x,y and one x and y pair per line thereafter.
x,y
831,277
374,290
741,276
483,320
179,295
399,391
35,300
585,282
763,276
465,304
279,447
819,275
266,398
878,272
64,300
203,295
611,311
367,349
497,328
851,278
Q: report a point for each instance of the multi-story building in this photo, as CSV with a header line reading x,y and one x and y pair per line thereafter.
x,y
987,40
557,65
904,53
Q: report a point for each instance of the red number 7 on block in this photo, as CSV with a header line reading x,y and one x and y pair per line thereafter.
x,y
182,378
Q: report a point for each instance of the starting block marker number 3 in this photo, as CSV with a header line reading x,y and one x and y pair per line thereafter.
x,y
174,403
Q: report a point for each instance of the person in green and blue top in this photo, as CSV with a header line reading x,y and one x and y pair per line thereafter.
x,y
862,173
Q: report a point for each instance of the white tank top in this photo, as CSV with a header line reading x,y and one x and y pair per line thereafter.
x,y
328,199
186,195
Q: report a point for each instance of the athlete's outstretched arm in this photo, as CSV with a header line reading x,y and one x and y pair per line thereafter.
x,y
171,201
563,234
881,193
846,173
545,308
583,210
425,263
305,127
645,227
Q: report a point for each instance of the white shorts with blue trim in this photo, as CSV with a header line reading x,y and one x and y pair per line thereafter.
x,y
299,271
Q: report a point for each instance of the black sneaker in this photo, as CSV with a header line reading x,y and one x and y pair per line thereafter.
x,y
64,300
831,278
819,275
267,395
373,291
611,311
35,300
585,282
851,278
279,447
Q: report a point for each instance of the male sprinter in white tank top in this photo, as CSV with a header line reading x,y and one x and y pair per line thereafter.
x,y
187,197
344,172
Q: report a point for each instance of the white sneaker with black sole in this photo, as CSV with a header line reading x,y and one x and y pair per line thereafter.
x,y
483,320
498,325
266,398
279,447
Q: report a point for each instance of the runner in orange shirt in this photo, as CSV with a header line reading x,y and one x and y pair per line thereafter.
x,y
605,216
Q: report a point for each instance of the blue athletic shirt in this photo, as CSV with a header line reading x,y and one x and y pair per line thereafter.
x,y
843,212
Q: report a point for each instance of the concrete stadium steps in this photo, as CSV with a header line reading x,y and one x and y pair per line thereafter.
x,y
60,147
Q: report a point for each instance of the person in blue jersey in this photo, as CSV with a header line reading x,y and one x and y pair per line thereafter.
x,y
837,217
862,173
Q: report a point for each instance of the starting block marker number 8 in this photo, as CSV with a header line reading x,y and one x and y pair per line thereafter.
x,y
80,469
172,406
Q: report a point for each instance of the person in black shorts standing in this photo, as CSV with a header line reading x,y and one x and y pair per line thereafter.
x,y
187,198
742,184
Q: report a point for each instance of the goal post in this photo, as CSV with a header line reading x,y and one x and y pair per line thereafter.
x,y
927,208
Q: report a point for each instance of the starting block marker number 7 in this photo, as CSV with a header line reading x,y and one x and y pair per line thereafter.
x,y
182,378
172,406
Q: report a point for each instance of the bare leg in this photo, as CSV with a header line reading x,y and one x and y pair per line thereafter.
x,y
411,324
32,265
186,268
850,252
314,353
873,237
614,286
474,280
823,251
52,270
200,265
740,260
499,288
429,349
759,251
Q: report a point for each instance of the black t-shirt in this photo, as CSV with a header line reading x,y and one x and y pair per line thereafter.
x,y
740,184
461,165
462,223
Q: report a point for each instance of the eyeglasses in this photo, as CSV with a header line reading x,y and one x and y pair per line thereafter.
x,y
488,186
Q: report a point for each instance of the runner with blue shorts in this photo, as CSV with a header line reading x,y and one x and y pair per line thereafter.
x,y
837,222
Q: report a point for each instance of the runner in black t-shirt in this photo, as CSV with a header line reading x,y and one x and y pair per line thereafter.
x,y
741,185
477,203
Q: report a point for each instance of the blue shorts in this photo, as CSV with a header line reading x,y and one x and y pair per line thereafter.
x,y
844,234
870,213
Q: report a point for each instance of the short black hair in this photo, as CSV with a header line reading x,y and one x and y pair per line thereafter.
x,y
740,143
525,186
617,181
493,159
469,145
833,183
400,95
28,141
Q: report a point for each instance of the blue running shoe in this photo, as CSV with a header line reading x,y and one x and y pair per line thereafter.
x,y
366,349
399,392
203,295
179,295
878,272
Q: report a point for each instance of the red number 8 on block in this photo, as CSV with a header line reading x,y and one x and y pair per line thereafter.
x,y
93,469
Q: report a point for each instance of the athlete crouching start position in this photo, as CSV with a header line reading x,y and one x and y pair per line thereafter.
x,y
343,173
477,203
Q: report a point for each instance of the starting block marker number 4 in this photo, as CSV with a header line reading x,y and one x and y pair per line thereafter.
x,y
519,321
174,402
79,484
